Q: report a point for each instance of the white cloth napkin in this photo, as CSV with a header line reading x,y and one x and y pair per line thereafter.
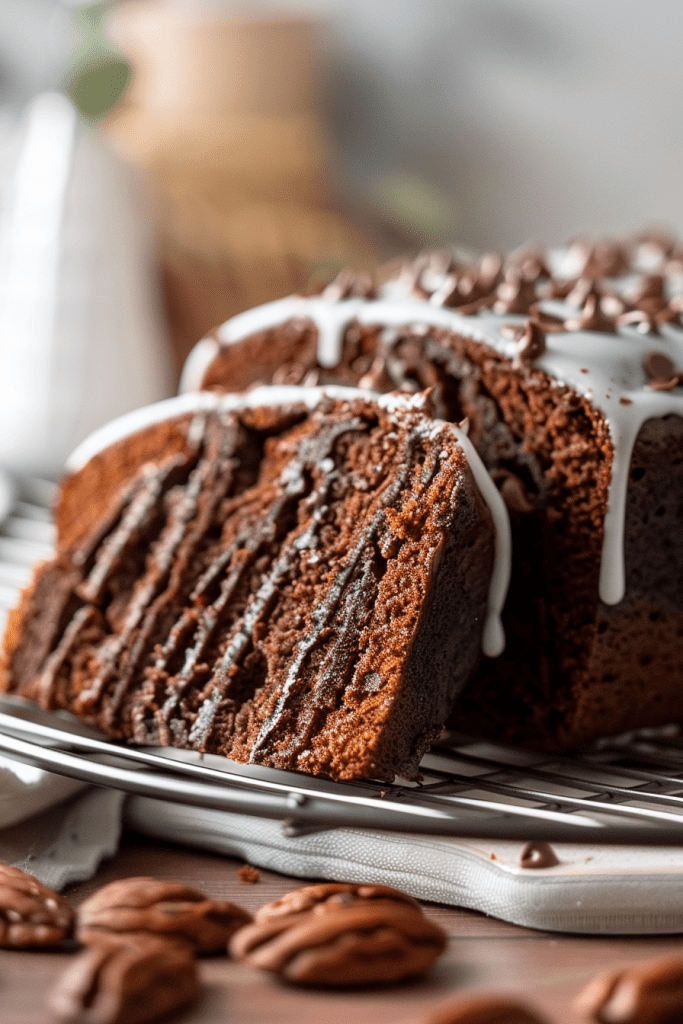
x,y
60,830
56,828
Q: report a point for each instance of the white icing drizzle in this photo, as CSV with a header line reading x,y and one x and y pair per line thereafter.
x,y
196,363
605,368
493,640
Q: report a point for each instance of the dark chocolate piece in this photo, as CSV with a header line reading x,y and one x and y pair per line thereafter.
x,y
538,854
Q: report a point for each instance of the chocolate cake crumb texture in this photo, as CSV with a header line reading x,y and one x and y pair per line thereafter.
x,y
594,617
297,580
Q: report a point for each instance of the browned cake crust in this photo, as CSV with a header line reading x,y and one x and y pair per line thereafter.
x,y
301,589
574,666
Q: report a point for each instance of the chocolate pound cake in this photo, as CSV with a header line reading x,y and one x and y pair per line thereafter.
x,y
296,578
568,365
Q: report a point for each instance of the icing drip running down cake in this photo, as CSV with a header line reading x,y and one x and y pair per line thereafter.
x,y
568,365
296,578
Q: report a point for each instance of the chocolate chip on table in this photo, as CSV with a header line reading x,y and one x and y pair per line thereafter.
x,y
486,1010
165,909
335,945
249,874
119,983
30,913
651,993
328,895
538,854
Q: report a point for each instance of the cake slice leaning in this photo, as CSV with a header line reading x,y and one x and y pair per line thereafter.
x,y
296,577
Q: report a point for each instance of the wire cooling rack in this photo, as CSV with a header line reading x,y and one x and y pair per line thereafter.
x,y
624,790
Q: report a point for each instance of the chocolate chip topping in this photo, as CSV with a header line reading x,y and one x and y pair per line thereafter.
x,y
449,294
591,317
607,259
490,270
638,318
531,345
538,854
665,385
515,294
550,323
349,284
649,294
581,290
661,371
521,282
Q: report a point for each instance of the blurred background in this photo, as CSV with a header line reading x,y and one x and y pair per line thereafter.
x,y
166,164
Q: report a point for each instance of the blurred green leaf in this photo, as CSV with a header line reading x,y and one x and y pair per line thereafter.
x,y
98,75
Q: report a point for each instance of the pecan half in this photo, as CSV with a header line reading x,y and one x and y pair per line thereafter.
x,y
115,983
30,913
486,1010
361,943
167,909
649,994
331,894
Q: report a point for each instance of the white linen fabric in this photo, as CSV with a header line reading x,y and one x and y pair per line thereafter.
x,y
60,831
55,828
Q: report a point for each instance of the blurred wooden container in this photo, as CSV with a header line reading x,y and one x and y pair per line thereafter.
x,y
224,113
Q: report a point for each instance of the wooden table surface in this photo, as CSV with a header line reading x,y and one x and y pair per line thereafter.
x,y
483,954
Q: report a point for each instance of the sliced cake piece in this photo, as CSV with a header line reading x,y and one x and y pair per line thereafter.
x,y
568,365
296,578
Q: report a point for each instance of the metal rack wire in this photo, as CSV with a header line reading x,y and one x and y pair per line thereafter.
x,y
625,790
630,790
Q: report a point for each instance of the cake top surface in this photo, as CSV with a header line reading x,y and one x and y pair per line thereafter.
x,y
604,319
397,405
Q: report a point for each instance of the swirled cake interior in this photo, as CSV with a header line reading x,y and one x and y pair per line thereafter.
x,y
297,587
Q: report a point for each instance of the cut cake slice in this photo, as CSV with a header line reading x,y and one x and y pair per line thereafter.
x,y
295,578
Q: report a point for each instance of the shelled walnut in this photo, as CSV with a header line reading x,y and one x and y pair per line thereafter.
x,y
337,944
30,913
166,909
330,895
126,983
